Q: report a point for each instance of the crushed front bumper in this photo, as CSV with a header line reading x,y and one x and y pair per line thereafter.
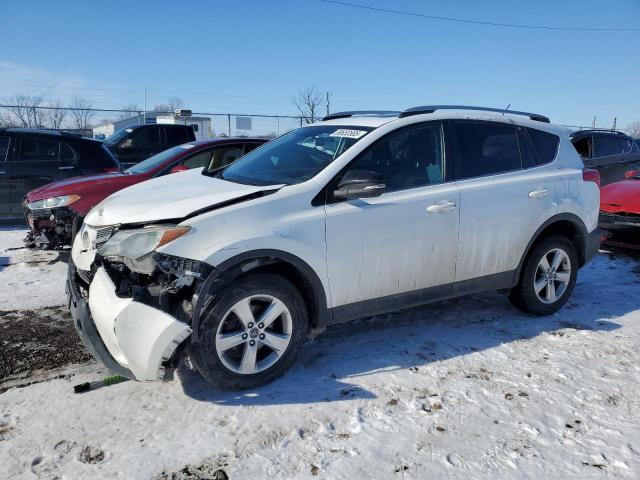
x,y
621,229
130,338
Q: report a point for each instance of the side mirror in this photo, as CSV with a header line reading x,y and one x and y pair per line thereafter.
x,y
360,184
179,168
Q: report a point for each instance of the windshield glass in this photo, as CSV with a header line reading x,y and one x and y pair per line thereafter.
x,y
157,160
117,136
294,157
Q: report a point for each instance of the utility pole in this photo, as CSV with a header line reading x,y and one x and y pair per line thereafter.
x,y
144,115
615,119
594,123
328,103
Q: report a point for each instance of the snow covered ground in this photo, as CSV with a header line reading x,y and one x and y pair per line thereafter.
x,y
468,388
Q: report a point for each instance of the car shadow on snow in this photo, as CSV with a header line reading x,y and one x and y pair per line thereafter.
x,y
414,340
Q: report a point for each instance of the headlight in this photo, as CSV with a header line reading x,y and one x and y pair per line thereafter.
x,y
53,202
134,246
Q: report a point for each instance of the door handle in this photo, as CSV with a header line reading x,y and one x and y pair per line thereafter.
x,y
66,168
541,193
443,206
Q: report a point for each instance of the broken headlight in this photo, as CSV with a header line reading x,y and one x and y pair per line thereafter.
x,y
134,247
53,202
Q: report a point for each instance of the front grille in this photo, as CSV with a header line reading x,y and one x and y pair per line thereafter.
x,y
103,234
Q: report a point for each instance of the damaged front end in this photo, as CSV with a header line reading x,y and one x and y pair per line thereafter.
x,y
621,228
137,301
49,228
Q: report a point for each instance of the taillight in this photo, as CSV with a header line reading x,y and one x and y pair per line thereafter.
x,y
632,173
591,175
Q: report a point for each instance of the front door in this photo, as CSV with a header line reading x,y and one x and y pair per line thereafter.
x,y
404,240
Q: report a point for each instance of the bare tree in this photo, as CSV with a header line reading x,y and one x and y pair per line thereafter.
x,y
81,114
308,102
634,129
174,104
133,110
54,115
23,111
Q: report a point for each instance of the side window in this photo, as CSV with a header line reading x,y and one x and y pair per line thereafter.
x,y
545,145
176,136
485,149
584,147
4,147
224,156
607,145
202,159
624,145
146,138
410,158
250,146
526,152
37,149
66,153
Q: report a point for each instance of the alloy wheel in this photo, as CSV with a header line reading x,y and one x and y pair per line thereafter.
x,y
552,276
254,334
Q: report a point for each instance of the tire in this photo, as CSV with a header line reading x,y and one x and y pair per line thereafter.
x,y
524,296
228,365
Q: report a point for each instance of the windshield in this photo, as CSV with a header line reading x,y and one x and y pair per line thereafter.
x,y
157,160
117,136
294,157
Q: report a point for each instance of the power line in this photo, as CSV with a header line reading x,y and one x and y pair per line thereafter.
x,y
478,22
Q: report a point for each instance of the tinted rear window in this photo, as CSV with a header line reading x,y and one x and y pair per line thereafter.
x,y
177,136
94,155
545,145
485,149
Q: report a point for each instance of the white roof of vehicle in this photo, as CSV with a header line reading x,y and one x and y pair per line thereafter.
x,y
377,121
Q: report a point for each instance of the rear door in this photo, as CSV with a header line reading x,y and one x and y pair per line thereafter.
x,y
5,147
504,197
36,162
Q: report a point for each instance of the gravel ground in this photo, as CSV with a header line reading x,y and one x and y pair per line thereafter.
x,y
32,340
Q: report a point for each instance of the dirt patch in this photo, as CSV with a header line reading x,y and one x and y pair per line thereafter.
x,y
211,468
42,339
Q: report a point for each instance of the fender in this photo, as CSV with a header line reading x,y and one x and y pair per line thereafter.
x,y
568,217
238,265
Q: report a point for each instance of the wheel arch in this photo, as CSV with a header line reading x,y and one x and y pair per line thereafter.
x,y
567,224
291,267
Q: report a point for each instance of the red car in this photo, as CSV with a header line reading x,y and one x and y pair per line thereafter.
x,y
55,211
620,211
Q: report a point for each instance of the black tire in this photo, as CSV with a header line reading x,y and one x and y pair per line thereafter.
x,y
203,352
523,295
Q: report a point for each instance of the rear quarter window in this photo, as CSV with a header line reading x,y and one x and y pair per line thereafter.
x,y
94,155
545,145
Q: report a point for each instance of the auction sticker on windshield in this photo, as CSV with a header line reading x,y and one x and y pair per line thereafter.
x,y
348,133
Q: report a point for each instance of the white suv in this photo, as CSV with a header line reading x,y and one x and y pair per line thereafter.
x,y
359,214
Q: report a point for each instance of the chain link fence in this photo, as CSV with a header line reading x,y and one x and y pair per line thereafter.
x,y
101,123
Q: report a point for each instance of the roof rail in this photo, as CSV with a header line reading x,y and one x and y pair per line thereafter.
x,y
432,108
600,130
362,113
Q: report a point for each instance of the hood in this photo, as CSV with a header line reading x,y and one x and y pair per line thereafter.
x,y
168,197
621,197
77,184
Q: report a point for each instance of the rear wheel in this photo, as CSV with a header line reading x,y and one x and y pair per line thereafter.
x,y
548,277
252,334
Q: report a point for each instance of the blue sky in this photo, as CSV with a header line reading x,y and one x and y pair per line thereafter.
x,y
251,56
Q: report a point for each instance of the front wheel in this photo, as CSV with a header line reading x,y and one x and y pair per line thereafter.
x,y
548,277
252,334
